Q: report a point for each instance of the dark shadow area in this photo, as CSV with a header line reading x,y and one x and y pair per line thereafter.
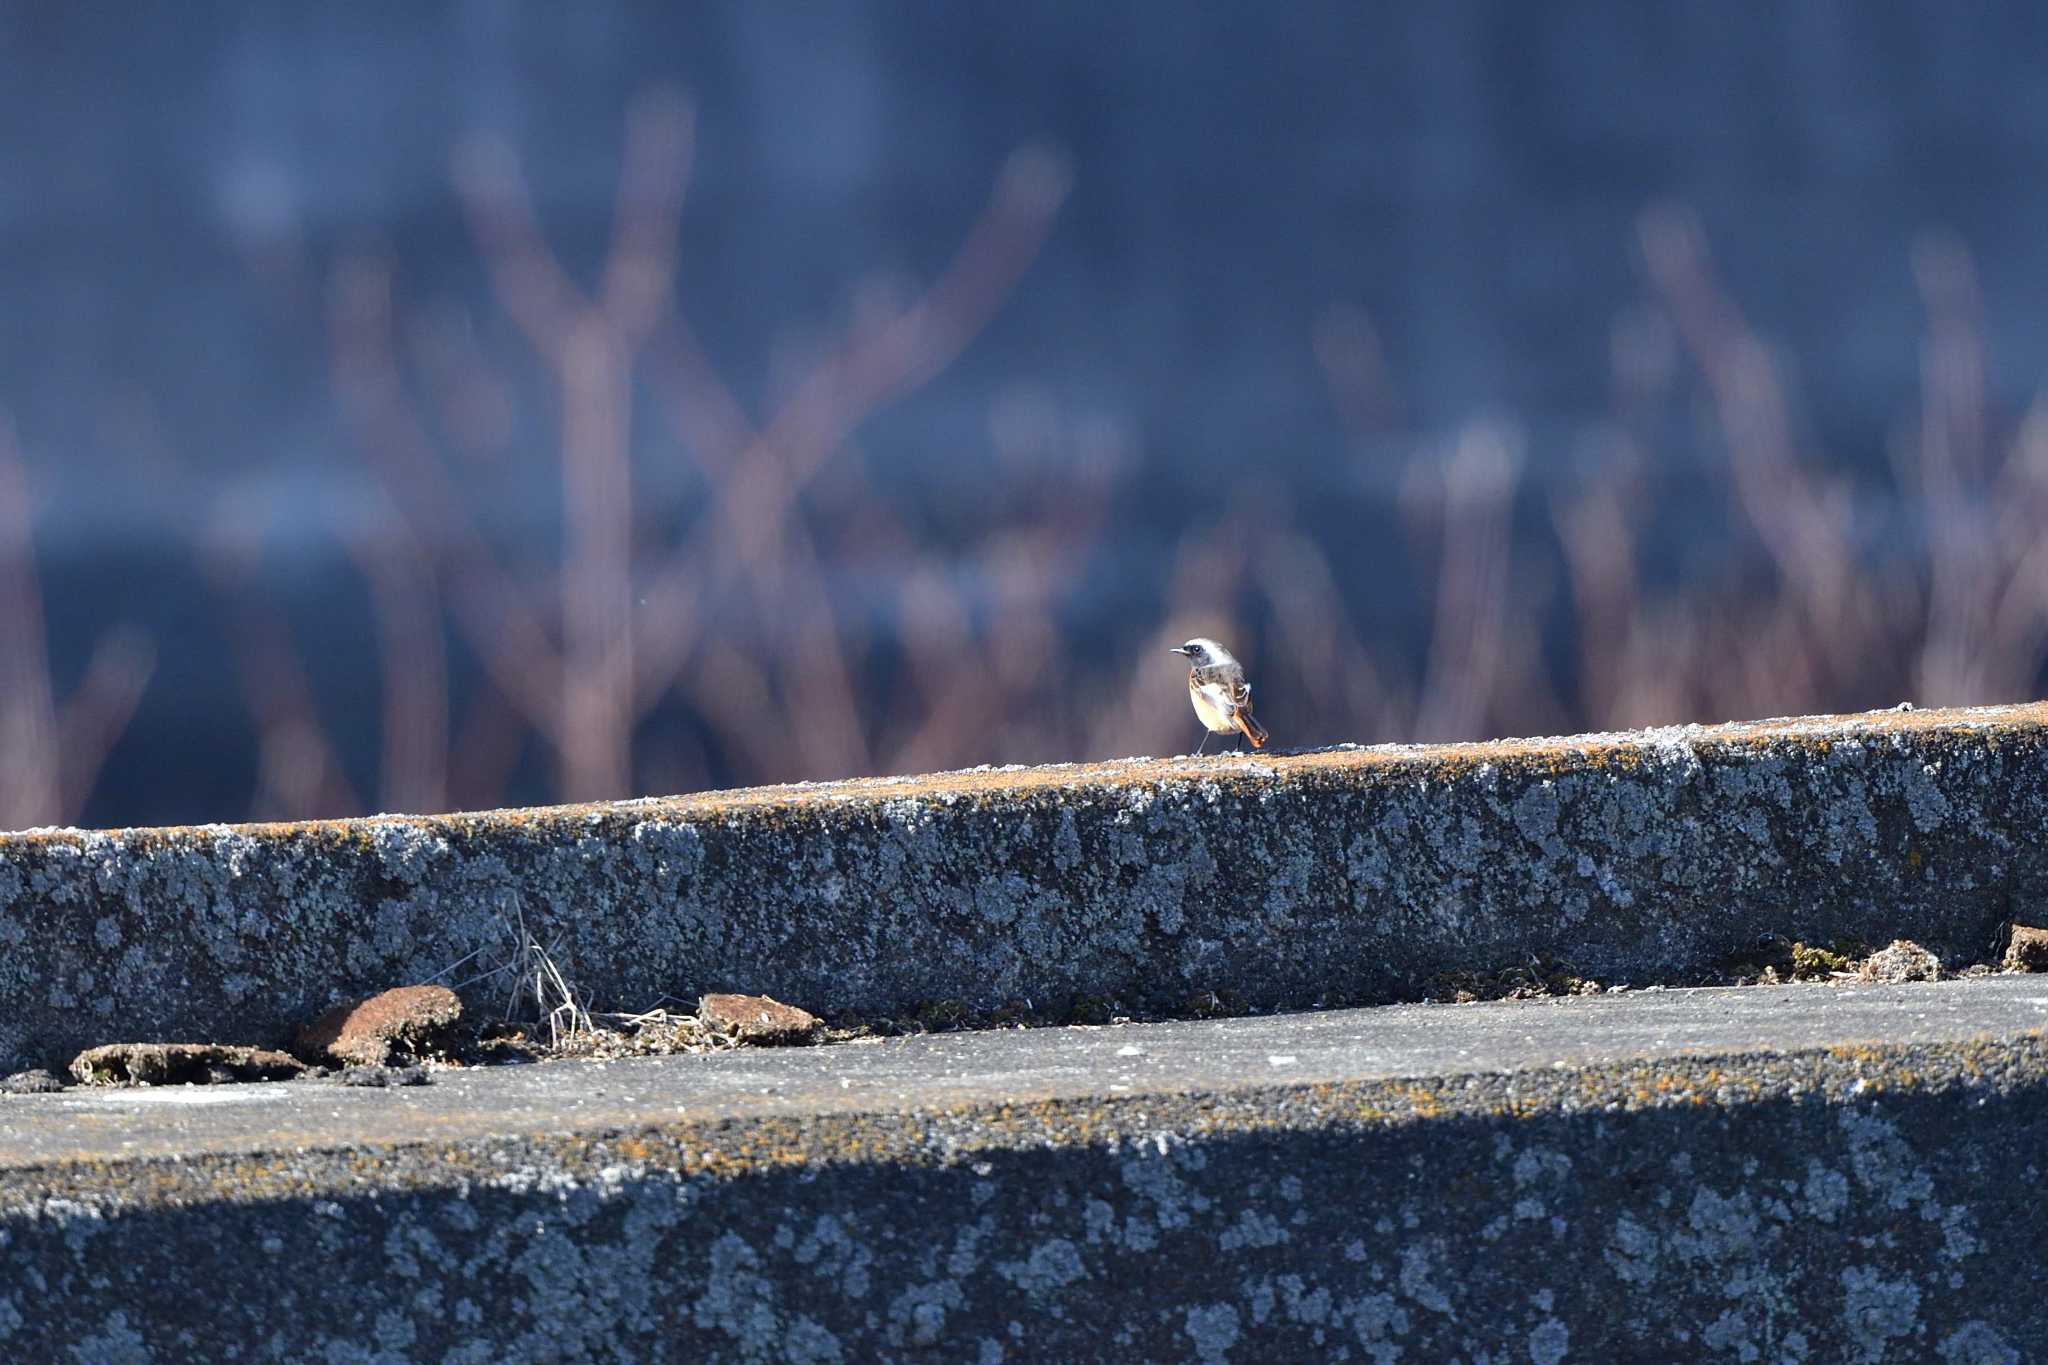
x,y
1886,1227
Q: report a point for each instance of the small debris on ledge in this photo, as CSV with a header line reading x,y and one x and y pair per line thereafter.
x,y
35,1081
406,1023
1538,977
650,1033
382,1076
2027,949
757,1019
181,1064
1775,959
1901,960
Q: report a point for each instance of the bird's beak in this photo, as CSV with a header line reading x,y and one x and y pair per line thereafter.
x,y
1178,649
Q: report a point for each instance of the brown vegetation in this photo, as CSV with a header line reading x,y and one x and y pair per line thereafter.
x,y
1546,609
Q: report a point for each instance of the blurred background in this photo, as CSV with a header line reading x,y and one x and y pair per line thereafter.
x,y
417,406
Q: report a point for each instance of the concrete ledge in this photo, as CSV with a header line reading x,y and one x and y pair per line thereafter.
x,y
1284,879
1582,1179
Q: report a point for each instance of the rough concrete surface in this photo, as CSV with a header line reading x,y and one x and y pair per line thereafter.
x,y
1282,878
1798,1173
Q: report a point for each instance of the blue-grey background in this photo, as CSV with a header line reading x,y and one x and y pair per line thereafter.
x,y
1467,181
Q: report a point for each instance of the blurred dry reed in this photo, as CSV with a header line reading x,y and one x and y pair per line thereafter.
x,y
51,750
578,655
1549,603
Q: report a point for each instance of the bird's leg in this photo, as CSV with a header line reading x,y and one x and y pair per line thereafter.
x,y
1205,742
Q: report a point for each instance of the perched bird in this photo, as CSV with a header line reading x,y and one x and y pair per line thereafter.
x,y
1222,698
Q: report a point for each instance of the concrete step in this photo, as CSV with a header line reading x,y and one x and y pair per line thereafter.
x,y
1776,1173
1281,879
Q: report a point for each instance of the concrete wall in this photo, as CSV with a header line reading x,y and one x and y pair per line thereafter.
x,y
1850,1204
1357,874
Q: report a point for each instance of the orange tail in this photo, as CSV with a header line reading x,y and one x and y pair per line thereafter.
x,y
1249,723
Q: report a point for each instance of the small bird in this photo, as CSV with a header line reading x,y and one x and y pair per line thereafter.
x,y
1222,698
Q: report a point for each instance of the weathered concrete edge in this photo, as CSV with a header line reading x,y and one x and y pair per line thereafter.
x,y
916,1134
1862,1195
1350,875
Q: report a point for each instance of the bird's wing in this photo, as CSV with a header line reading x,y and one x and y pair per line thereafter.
x,y
1221,696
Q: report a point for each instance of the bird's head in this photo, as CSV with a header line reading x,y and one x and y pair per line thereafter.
x,y
1202,652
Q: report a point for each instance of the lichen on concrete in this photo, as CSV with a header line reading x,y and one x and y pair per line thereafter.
x,y
1836,1204
1277,879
